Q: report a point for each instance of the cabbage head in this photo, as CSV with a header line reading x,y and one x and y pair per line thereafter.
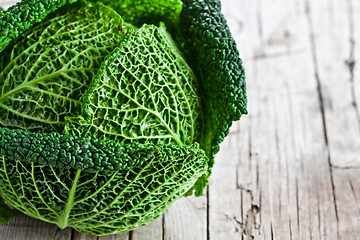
x,y
112,110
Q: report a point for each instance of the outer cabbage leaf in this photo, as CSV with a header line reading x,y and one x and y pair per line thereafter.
x,y
95,202
144,92
88,154
214,57
46,70
23,15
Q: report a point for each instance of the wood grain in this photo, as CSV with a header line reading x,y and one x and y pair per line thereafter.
x,y
289,170
347,187
26,228
334,54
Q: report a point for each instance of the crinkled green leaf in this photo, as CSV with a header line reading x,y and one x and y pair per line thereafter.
x,y
138,12
214,57
88,154
46,70
21,16
95,202
144,92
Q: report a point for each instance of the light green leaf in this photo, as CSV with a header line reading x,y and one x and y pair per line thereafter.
x,y
139,12
144,92
46,70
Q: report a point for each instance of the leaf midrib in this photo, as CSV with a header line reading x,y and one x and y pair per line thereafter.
x,y
48,76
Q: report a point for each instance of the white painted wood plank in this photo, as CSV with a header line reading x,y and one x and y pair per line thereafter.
x,y
356,79
337,53
224,195
186,219
347,187
294,190
287,175
335,57
276,29
79,236
26,228
153,231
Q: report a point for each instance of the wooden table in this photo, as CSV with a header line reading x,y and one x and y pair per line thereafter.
x,y
291,168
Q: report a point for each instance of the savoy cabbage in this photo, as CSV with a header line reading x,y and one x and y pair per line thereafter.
x,y
103,123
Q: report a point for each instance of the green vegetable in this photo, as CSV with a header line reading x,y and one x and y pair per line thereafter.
x,y
23,15
90,154
45,71
144,92
215,60
135,185
103,125
138,12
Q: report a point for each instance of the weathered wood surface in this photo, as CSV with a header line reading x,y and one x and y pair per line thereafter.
x,y
290,169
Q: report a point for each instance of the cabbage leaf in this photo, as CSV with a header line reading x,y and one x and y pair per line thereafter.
x,y
46,70
138,12
144,92
50,188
